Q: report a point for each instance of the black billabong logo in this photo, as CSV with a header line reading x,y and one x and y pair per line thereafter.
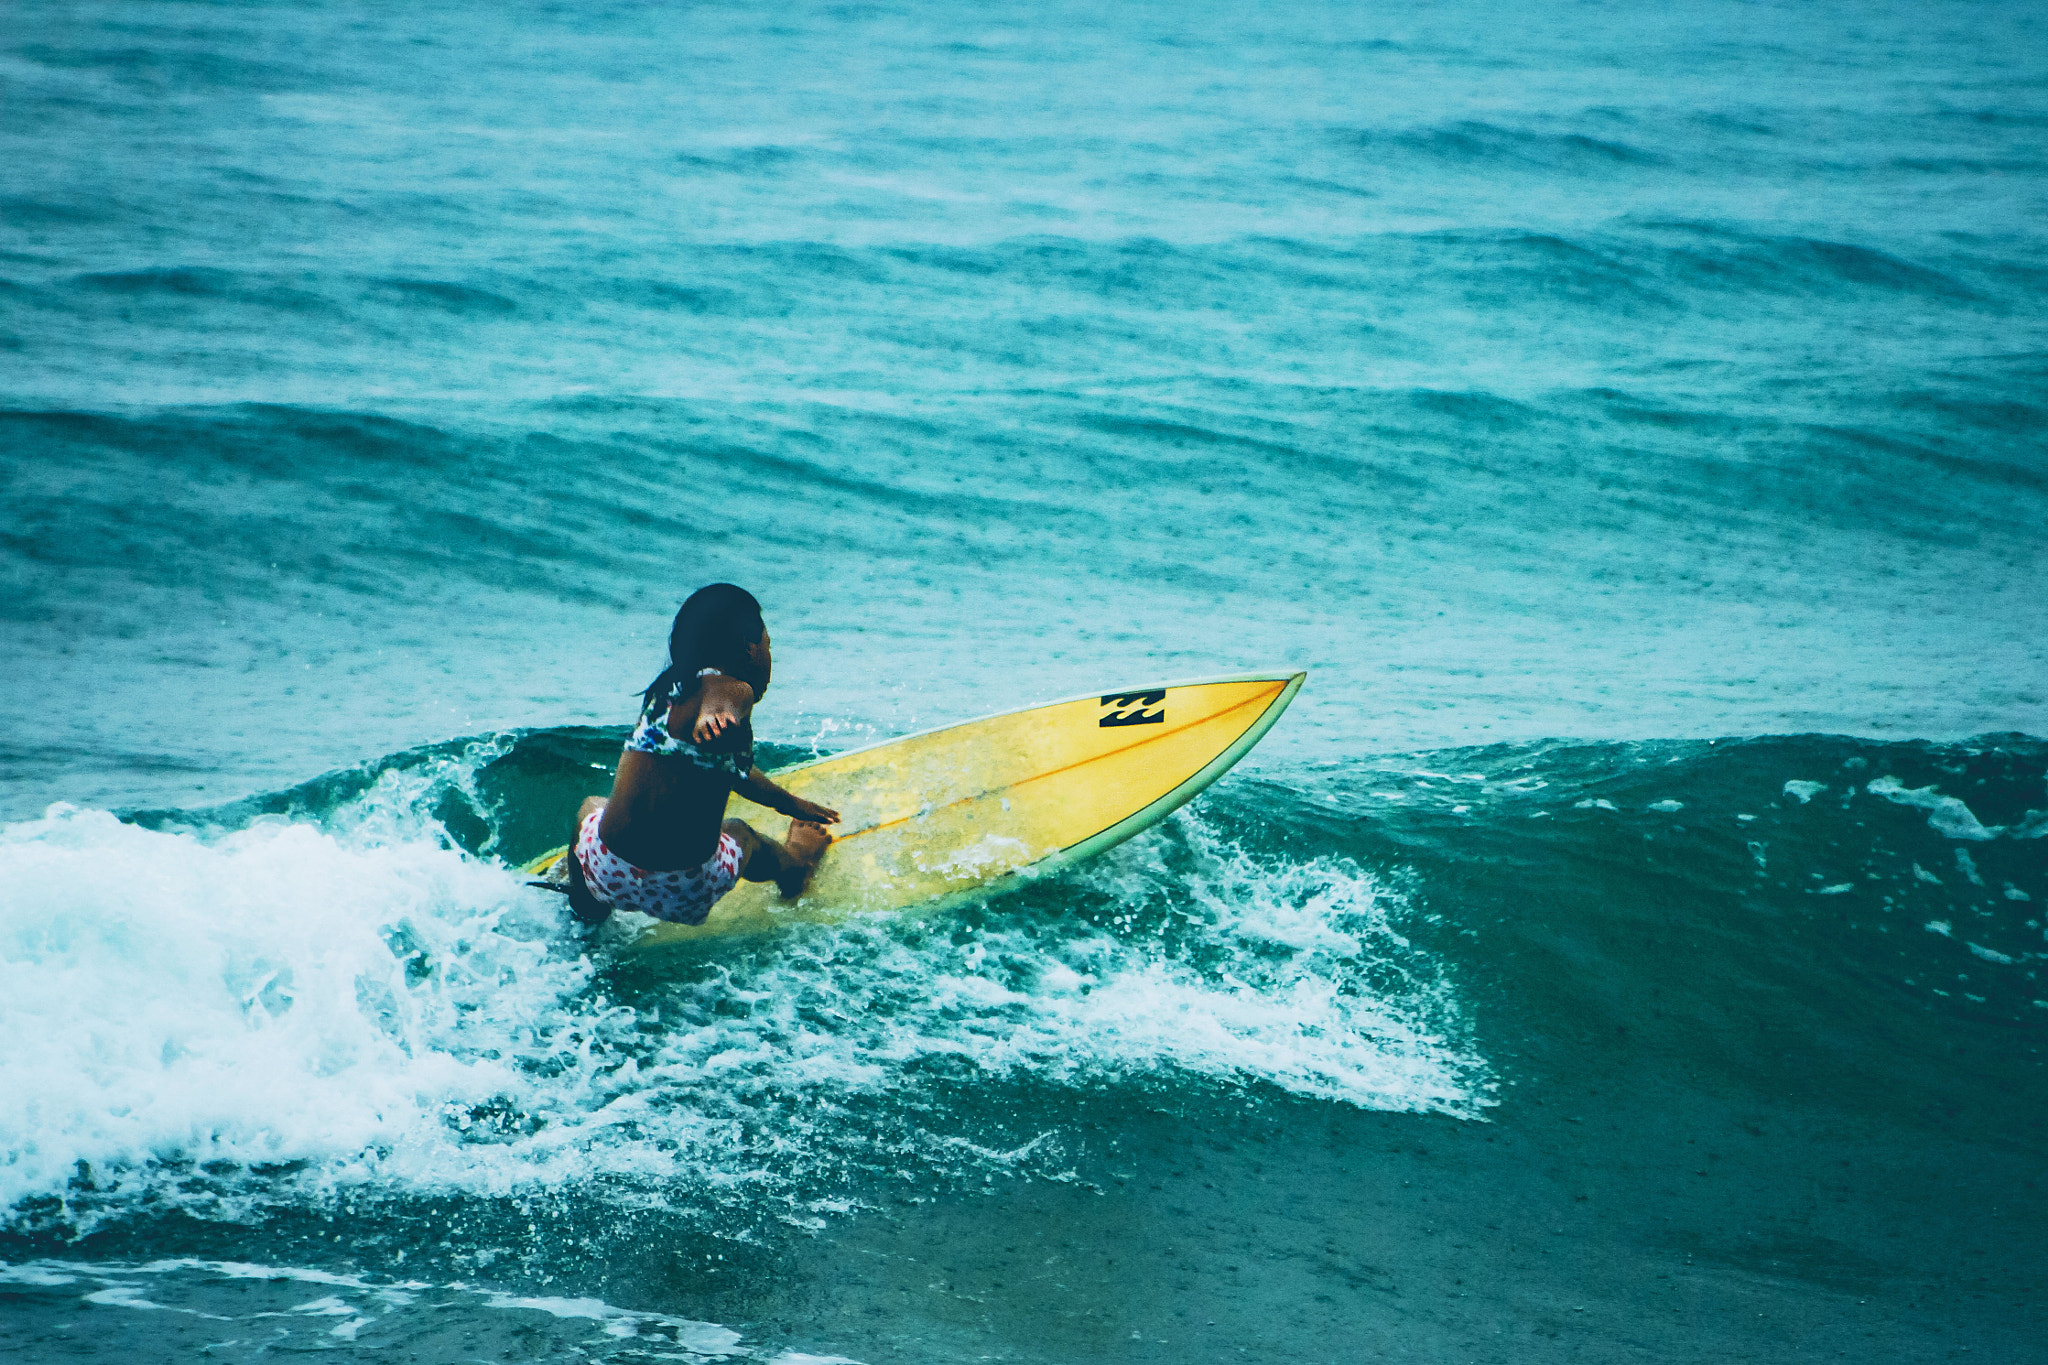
x,y
1129,708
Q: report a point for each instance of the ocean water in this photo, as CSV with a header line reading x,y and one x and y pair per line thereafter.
x,y
1628,947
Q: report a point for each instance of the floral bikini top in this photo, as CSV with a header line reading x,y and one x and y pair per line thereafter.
x,y
651,736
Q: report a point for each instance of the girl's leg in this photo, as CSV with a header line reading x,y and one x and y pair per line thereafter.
x,y
788,863
582,904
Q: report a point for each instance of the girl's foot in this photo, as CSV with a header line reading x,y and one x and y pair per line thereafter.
x,y
805,844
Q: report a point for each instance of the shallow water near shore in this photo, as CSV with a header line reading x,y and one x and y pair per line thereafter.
x,y
1627,948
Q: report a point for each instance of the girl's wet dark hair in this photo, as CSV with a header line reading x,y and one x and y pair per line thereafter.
x,y
713,630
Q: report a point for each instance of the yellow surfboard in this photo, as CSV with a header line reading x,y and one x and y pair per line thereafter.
x,y
931,820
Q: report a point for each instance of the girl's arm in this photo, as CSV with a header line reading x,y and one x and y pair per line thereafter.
x,y
757,786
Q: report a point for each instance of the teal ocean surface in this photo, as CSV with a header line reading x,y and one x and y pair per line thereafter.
x,y
1628,948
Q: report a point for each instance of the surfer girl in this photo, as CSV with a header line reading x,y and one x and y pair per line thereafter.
x,y
661,844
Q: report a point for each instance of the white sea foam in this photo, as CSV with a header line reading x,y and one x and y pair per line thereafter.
x,y
241,1000
1268,984
699,1338
1947,814
285,1009
1968,865
188,1286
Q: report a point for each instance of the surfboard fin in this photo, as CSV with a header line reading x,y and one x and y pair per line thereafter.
x,y
564,877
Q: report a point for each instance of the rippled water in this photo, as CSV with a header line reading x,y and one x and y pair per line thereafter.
x,y
1569,393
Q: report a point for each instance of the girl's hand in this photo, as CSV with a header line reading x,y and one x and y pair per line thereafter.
x,y
801,809
726,703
